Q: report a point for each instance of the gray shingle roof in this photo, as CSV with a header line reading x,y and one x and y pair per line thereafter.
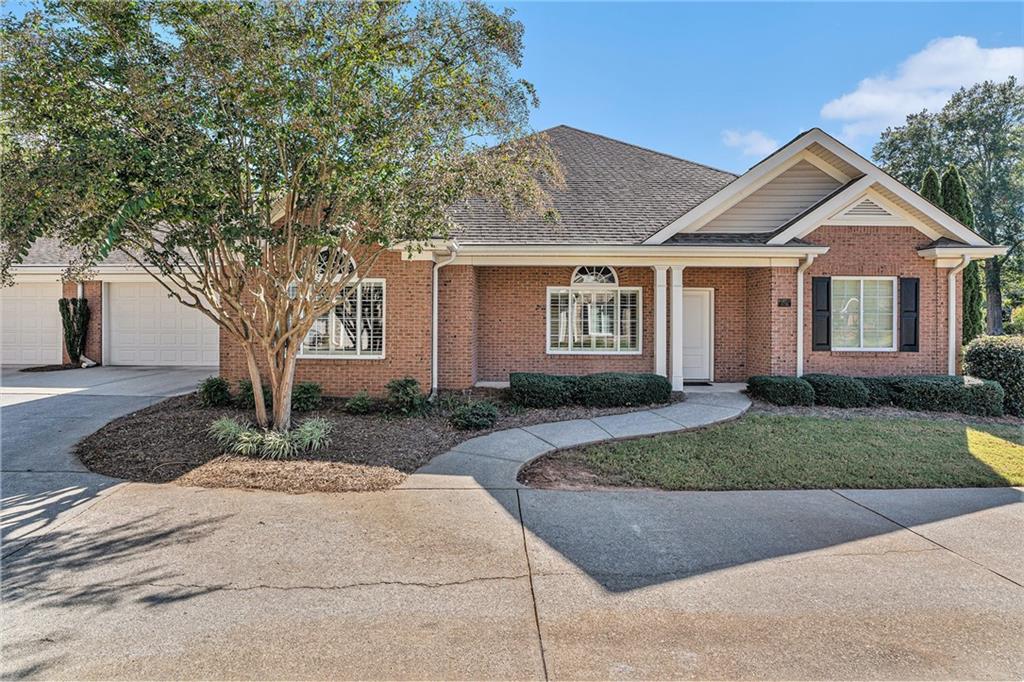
x,y
615,193
728,239
46,251
941,242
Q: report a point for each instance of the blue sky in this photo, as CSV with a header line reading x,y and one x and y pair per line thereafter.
x,y
684,78
725,83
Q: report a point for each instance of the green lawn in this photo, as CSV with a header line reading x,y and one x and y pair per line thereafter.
x,y
780,452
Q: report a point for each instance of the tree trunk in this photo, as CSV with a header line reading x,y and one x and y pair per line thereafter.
x,y
994,295
283,394
257,386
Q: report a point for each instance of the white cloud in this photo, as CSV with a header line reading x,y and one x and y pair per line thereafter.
x,y
750,142
925,80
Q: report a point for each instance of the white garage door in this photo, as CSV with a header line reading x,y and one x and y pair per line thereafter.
x,y
146,327
31,324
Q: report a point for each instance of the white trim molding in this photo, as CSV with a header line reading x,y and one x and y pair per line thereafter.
x,y
677,327
660,320
860,314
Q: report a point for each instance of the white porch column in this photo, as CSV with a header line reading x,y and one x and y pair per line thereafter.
x,y
677,327
660,321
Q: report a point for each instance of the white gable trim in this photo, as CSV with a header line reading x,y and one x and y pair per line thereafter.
x,y
790,155
896,215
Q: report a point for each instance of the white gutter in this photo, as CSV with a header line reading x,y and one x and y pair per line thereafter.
x,y
454,249
621,250
951,316
800,313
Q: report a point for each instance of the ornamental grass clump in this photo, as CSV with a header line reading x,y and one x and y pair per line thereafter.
x,y
241,439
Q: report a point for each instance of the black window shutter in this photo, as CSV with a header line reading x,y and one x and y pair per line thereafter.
x,y
821,313
910,307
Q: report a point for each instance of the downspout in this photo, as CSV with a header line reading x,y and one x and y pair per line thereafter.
x,y
434,318
951,314
800,313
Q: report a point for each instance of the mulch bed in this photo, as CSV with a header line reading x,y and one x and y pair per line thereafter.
x,y
54,368
169,442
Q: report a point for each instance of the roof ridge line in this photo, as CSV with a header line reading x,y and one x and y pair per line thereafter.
x,y
636,146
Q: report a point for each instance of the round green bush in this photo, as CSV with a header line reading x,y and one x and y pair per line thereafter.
x,y
307,396
781,390
834,390
474,415
360,403
405,397
214,392
999,358
244,398
879,390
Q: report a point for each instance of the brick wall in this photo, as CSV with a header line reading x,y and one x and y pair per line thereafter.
x,y
771,330
512,324
731,313
457,327
93,292
888,251
406,338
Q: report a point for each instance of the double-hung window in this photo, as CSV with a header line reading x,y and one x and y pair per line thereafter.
x,y
593,314
353,328
864,313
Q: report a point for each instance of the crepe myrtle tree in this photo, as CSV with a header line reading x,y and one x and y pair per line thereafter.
x,y
258,157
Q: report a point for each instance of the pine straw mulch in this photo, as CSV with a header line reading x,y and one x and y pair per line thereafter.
x,y
168,442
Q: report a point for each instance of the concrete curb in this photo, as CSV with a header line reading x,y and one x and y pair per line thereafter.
x,y
494,460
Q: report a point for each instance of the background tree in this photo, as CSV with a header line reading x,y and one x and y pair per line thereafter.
x,y
956,201
931,187
981,132
247,154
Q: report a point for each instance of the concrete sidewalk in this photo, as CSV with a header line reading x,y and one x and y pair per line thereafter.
x,y
493,461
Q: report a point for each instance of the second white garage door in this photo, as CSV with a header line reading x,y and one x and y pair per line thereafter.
x,y
146,327
31,324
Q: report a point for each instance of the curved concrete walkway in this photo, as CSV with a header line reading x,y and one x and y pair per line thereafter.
x,y
493,461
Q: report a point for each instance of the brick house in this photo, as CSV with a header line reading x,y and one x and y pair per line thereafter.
x,y
814,260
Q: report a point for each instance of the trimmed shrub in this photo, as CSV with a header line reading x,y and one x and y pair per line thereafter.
x,y
838,391
360,403
405,397
474,415
244,398
781,390
999,358
879,390
615,389
529,389
942,393
214,392
307,396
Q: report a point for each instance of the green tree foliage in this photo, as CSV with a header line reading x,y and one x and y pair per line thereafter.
x,y
981,132
956,201
248,153
931,188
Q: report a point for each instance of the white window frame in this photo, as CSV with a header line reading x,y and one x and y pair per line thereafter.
x,y
596,288
302,355
895,313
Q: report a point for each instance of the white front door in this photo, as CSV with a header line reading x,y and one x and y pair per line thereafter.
x,y
147,327
697,334
31,325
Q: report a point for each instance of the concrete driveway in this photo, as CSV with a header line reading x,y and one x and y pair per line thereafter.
x,y
162,581
42,416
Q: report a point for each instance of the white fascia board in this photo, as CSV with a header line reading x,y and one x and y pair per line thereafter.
x,y
956,252
813,219
636,256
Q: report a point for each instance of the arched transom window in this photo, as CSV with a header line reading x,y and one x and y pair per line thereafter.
x,y
594,314
594,274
